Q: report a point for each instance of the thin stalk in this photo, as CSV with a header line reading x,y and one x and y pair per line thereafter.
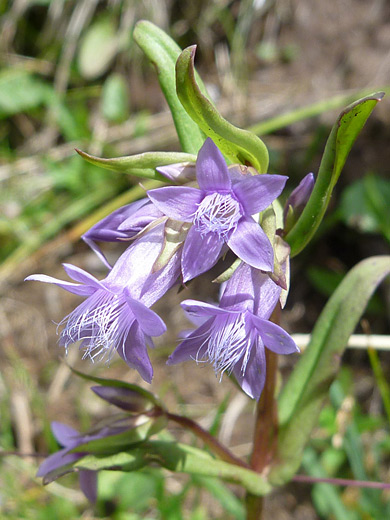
x,y
380,378
215,446
341,482
299,114
265,432
266,419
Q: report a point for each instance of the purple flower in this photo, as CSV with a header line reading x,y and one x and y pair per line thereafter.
x,y
221,212
233,335
119,431
122,224
115,315
70,439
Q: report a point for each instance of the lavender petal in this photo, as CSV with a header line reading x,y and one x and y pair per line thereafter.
x,y
193,347
81,276
140,219
238,292
257,192
88,484
249,242
197,308
65,435
252,377
81,290
150,323
107,230
200,253
177,202
211,169
134,353
57,460
274,337
266,294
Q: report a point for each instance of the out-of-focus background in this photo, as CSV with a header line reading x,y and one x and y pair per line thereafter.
x,y
72,77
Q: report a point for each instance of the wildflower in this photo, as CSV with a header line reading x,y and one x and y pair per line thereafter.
x,y
120,431
115,315
59,463
221,212
122,224
233,335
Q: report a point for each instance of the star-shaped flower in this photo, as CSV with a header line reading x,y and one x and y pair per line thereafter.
x,y
221,212
234,334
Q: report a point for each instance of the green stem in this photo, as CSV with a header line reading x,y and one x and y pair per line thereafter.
x,y
380,378
254,506
299,114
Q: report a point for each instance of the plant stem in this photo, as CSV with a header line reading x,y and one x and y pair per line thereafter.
x,y
266,419
265,433
254,506
216,447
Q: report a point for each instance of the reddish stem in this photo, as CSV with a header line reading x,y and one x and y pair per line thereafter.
x,y
266,425
266,418
264,441
215,446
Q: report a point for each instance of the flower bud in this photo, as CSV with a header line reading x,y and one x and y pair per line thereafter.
x,y
297,201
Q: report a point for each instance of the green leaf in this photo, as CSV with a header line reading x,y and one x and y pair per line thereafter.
x,y
364,205
179,458
302,397
378,196
141,165
240,146
21,91
98,48
115,99
163,52
325,496
225,497
338,146
134,492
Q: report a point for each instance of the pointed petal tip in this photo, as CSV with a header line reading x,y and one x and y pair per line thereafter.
x,y
211,169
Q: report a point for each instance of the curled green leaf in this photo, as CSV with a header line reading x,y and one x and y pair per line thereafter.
x,y
240,146
141,165
338,146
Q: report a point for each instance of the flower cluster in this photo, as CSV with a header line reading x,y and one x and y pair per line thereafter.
x,y
175,234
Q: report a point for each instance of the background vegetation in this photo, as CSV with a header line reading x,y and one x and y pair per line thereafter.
x,y
71,76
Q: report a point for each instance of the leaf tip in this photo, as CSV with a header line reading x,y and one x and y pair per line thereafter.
x,y
82,154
